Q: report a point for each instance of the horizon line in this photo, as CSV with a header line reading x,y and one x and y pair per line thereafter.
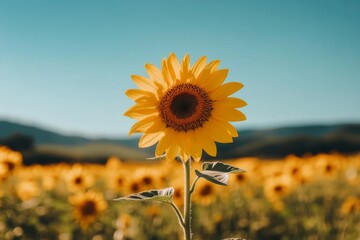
x,y
72,133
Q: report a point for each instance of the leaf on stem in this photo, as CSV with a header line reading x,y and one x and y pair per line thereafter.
x,y
163,195
217,172
221,167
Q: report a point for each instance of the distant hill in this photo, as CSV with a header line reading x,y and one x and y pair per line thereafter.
x,y
43,136
52,146
280,142
267,143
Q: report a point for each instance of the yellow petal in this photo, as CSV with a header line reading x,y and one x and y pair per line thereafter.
x,y
160,90
174,71
203,78
149,139
159,151
135,94
165,73
217,78
213,65
141,113
189,142
226,126
154,72
143,83
217,132
231,115
230,128
150,100
171,72
196,150
184,155
230,102
198,66
225,90
142,125
197,155
206,142
205,75
182,142
143,106
174,62
172,152
157,126
165,142
185,68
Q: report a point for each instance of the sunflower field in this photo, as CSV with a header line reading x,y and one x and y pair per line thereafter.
x,y
313,197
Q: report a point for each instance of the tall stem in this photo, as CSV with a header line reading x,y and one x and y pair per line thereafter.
x,y
178,214
187,200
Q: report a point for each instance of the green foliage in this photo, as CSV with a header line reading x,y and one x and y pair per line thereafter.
x,y
217,172
162,195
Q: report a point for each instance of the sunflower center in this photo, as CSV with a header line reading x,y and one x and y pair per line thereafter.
x,y
120,181
240,177
185,107
147,180
78,180
328,168
278,188
206,190
10,166
89,208
135,187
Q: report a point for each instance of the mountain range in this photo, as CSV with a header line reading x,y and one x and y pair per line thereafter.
x,y
264,143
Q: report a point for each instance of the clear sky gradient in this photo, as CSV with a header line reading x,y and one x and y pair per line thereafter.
x,y
66,64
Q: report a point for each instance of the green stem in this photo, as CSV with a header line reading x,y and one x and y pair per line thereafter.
x,y
187,200
178,214
193,185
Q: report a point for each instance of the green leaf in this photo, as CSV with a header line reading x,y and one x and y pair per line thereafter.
x,y
217,172
221,167
214,176
163,195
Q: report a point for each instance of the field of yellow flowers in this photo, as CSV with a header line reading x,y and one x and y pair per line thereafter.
x,y
313,197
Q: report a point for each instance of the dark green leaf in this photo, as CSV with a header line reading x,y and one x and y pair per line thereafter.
x,y
217,172
214,176
163,195
221,167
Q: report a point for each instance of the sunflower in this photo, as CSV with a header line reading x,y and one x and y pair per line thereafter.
x,y
49,181
277,187
239,179
178,196
251,165
9,159
205,193
87,207
183,108
116,181
351,205
298,170
142,179
78,178
113,164
27,189
132,185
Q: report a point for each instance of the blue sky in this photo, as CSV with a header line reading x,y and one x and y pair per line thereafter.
x,y
66,64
